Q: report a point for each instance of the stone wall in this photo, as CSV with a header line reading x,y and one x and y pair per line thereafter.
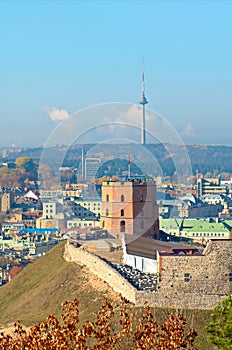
x,y
208,285
209,273
101,269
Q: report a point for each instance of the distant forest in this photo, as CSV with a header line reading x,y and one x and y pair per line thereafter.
x,y
204,158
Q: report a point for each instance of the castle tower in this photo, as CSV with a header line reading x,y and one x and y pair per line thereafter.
x,y
143,101
130,207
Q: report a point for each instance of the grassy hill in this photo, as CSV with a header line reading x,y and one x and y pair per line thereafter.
x,y
41,287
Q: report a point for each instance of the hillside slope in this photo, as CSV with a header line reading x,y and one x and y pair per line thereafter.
x,y
42,286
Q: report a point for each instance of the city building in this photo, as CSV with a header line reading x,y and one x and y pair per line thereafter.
x,y
11,228
49,209
141,253
6,201
86,207
75,222
210,186
91,167
37,241
130,207
201,230
171,208
28,219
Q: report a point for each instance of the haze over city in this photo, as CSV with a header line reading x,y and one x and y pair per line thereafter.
x,y
59,57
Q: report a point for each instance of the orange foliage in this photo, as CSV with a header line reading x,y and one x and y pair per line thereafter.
x,y
115,327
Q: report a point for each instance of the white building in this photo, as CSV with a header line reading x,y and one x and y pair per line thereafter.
x,y
141,252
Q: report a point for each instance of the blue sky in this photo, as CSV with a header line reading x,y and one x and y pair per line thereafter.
x,y
58,57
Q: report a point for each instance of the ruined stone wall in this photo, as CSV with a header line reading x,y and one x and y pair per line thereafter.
x,y
101,269
209,274
178,300
208,285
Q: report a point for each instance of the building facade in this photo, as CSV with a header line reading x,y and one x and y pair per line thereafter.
x,y
210,186
201,230
6,200
91,166
130,207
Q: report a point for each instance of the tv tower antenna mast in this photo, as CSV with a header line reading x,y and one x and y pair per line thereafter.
x,y
143,101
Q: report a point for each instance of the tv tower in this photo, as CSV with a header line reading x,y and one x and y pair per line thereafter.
x,y
143,101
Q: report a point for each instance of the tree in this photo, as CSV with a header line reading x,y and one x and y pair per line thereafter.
x,y
25,163
115,327
220,328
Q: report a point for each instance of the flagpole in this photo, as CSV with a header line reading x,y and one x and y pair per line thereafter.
x,y
129,165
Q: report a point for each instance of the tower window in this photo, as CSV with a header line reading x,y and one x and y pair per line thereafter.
x,y
142,224
187,277
107,198
107,212
122,226
122,212
122,198
230,276
141,198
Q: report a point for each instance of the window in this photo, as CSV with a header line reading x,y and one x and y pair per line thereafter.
x,y
122,212
141,198
107,212
122,226
187,277
230,276
142,212
122,198
103,224
142,224
107,198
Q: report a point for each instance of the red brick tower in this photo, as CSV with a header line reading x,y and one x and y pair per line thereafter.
x,y
130,207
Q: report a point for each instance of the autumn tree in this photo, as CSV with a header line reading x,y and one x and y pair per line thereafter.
x,y
114,327
220,328
25,163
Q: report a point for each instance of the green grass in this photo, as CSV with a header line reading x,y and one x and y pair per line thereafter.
x,y
41,287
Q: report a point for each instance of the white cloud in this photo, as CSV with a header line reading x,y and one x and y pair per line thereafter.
x,y
189,130
55,113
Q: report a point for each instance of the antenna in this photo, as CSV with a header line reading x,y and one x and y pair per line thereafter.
x,y
143,101
143,84
129,166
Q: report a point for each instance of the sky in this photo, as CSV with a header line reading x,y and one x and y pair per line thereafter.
x,y
59,57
